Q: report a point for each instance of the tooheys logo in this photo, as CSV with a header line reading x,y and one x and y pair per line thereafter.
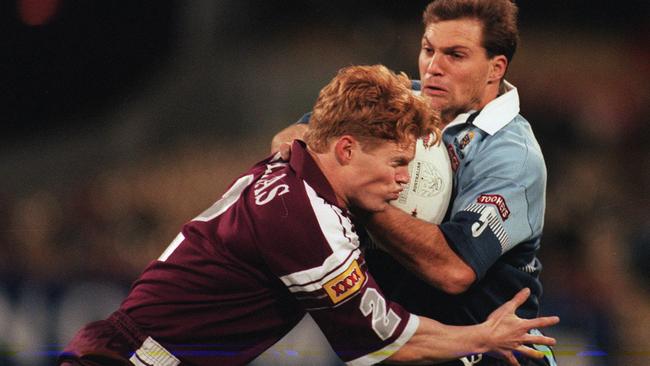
x,y
346,284
496,200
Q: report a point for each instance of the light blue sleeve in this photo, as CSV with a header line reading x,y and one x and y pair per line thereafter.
x,y
500,196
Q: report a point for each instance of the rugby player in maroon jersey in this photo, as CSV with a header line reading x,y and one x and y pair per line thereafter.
x,y
280,243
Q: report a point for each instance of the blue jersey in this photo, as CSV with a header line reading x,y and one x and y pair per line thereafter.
x,y
494,221
499,186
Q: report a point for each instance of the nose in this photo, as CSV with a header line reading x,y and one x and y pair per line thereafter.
x,y
433,65
402,175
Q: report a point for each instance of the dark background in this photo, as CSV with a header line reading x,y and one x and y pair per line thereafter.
x,y
123,119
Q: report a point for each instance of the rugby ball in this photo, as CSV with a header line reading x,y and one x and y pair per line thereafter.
x,y
427,194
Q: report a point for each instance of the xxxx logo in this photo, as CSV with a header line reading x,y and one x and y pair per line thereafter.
x,y
346,284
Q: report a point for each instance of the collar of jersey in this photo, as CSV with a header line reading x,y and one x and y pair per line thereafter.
x,y
496,114
307,169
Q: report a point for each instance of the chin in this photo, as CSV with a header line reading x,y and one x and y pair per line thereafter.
x,y
437,102
379,207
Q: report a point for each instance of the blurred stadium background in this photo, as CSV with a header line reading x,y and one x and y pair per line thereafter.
x,y
121,120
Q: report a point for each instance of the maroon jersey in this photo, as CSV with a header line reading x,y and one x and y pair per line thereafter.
x,y
244,272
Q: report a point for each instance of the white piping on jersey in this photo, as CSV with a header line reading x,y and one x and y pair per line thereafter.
x,y
338,233
172,247
228,199
533,266
380,355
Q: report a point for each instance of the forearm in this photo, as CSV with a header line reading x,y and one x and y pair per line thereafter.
x,y
502,334
435,342
422,248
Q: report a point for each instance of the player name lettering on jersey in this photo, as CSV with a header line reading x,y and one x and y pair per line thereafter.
x,y
346,284
265,190
497,201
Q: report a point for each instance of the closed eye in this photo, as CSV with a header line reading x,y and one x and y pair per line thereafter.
x,y
457,55
400,162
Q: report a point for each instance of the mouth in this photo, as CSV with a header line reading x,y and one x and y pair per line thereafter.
x,y
393,196
434,90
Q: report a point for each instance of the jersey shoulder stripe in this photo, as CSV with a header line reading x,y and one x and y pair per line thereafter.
x,y
338,233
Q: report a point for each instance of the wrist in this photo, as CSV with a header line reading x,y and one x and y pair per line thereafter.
x,y
481,340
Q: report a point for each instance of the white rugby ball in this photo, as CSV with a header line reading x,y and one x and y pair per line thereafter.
x,y
427,194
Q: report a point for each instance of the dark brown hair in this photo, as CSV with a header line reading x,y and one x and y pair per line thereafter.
x,y
498,17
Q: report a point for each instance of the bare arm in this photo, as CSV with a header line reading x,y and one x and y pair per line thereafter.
x,y
422,248
282,140
500,335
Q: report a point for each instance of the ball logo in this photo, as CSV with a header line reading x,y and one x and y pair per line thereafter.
x,y
427,194
426,180
345,284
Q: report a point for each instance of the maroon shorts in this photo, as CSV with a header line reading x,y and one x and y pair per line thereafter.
x,y
105,342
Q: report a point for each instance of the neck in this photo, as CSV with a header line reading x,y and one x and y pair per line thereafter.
x,y
492,91
327,164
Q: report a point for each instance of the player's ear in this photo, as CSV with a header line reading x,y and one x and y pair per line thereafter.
x,y
498,67
344,149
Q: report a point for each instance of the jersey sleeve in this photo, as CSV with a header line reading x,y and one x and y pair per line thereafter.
x,y
318,259
499,203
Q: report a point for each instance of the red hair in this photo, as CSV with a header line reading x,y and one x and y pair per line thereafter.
x,y
370,103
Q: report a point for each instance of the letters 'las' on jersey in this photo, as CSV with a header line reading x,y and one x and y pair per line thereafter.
x,y
245,271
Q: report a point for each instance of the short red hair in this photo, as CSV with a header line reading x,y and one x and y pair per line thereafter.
x,y
370,103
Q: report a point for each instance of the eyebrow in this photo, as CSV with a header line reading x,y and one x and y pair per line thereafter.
x,y
449,48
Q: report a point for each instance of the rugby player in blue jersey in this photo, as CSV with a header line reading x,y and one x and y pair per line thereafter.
x,y
486,248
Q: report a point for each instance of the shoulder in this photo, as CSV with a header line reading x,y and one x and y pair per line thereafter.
x,y
286,210
516,141
275,190
515,137
512,151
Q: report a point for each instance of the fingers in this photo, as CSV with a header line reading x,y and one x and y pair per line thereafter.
x,y
285,150
541,322
520,297
286,136
511,359
511,305
539,339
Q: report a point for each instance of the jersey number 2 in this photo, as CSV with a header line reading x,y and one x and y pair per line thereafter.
x,y
384,324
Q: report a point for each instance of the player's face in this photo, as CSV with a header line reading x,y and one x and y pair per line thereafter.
x,y
454,67
378,175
